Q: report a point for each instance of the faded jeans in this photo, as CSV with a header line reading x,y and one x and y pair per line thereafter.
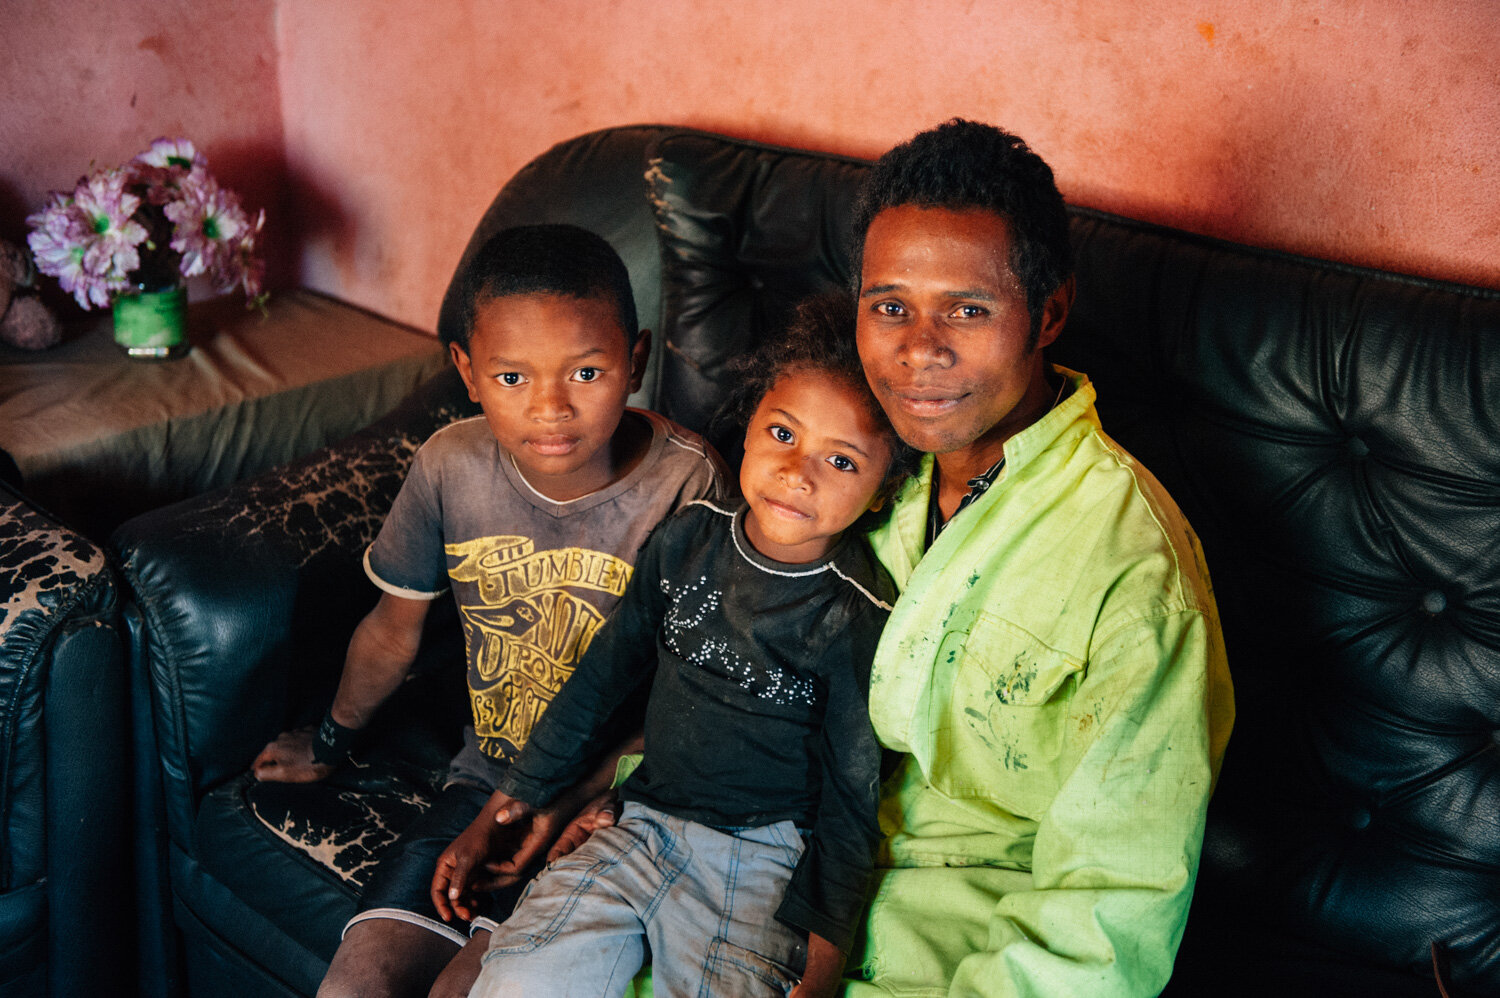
x,y
699,901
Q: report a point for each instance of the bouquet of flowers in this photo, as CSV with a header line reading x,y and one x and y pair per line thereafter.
x,y
145,226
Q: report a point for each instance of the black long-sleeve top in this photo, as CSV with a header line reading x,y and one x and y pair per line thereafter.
x,y
758,707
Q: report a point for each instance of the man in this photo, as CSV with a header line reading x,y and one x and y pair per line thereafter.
x,y
1054,671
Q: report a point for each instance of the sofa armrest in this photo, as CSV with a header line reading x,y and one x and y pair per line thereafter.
x,y
247,596
64,764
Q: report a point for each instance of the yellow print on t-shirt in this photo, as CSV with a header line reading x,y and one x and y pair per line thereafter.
x,y
529,628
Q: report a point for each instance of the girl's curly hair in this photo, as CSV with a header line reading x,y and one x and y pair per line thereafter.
x,y
820,337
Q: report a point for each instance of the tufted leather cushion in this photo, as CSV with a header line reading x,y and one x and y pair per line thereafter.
x,y
1331,434
597,181
747,230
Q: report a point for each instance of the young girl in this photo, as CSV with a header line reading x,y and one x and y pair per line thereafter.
x,y
740,858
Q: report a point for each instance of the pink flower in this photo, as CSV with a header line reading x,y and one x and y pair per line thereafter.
x,y
168,166
211,228
160,217
179,153
109,212
56,243
89,241
244,265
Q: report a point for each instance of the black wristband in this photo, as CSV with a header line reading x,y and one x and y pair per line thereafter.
x,y
333,741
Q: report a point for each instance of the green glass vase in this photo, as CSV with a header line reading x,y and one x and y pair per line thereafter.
x,y
152,325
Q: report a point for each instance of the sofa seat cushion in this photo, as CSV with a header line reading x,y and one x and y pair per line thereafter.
x,y
299,895
345,823
294,858
23,940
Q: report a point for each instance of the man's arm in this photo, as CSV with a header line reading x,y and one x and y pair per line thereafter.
x,y
825,964
1116,853
380,656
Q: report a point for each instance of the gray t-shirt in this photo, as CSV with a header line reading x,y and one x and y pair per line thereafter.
x,y
533,578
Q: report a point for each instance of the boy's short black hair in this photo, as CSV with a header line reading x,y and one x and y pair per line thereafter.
x,y
819,336
962,165
551,259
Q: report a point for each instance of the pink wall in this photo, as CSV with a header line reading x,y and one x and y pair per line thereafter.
x,y
87,82
1362,131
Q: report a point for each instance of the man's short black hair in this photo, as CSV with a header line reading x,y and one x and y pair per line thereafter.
x,y
545,259
962,165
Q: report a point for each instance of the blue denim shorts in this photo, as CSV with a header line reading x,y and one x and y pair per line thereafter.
x,y
700,901
402,885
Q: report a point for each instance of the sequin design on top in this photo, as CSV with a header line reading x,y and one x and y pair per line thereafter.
x,y
684,630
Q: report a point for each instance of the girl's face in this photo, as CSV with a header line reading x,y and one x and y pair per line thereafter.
x,y
814,460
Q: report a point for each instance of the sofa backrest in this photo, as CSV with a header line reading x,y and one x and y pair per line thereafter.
x,y
596,181
1329,431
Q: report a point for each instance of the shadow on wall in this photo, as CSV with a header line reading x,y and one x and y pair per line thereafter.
x,y
12,213
258,173
299,209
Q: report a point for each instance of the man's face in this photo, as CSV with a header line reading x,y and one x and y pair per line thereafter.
x,y
552,374
944,334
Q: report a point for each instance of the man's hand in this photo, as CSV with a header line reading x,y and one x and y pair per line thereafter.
x,y
482,856
825,965
601,812
289,759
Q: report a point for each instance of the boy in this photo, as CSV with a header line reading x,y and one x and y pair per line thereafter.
x,y
755,627
533,515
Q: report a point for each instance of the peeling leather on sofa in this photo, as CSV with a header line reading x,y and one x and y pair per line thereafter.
x,y
40,565
343,828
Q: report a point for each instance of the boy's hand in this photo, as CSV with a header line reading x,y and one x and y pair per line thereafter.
x,y
494,851
289,759
601,812
825,966
504,841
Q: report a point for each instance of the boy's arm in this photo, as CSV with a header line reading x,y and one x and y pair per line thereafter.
x,y
508,835
380,655
561,749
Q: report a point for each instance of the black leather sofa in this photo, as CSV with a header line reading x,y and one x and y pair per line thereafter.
x,y
1330,432
66,918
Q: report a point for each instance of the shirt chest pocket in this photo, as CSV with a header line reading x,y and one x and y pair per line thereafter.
x,y
999,733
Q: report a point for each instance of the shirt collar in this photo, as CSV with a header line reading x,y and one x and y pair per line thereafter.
x,y
980,484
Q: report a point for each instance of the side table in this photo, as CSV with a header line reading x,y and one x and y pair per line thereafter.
x,y
98,437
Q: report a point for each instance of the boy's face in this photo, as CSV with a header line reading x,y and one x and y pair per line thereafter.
x,y
814,460
552,374
943,332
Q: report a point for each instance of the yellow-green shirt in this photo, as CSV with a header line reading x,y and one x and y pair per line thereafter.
x,y
1055,673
